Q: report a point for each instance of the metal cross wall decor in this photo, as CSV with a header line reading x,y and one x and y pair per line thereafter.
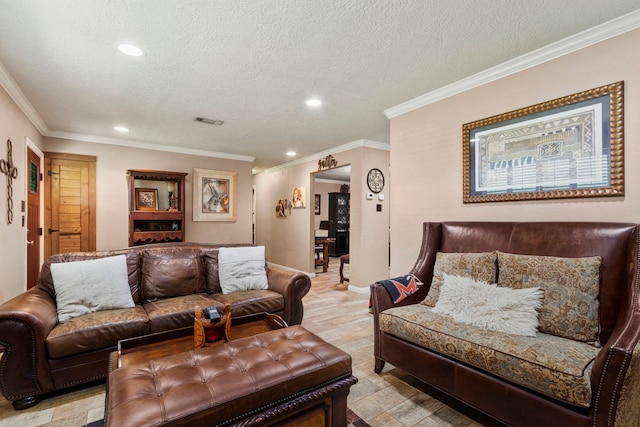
x,y
7,168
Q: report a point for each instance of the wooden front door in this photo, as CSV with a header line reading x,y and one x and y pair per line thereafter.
x,y
33,218
70,203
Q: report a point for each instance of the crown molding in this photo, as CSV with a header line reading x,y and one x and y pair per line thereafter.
x,y
146,145
322,154
14,91
613,28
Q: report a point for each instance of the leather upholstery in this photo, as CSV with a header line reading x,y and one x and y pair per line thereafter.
x,y
172,272
214,384
41,355
617,244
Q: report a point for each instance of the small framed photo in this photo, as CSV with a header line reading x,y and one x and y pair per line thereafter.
x,y
146,199
298,197
317,205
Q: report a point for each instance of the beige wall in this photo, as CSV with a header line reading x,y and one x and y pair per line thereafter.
x,y
426,147
15,126
288,240
113,191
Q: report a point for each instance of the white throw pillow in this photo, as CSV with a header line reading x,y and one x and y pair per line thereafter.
x,y
84,287
242,268
488,306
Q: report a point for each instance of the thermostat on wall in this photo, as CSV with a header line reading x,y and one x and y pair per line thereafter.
x,y
381,197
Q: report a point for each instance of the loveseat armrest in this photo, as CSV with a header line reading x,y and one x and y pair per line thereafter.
x,y
292,286
612,377
381,300
25,322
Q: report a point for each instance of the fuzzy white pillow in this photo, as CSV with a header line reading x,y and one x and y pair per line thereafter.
x,y
488,306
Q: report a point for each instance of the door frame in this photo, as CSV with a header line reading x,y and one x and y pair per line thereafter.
x,y
29,145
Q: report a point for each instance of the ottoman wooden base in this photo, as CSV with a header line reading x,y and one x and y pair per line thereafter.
x,y
287,376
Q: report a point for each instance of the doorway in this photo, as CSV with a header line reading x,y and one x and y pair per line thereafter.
x,y
69,203
332,210
33,216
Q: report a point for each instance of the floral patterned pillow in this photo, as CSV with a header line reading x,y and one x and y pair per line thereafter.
x,y
571,287
478,266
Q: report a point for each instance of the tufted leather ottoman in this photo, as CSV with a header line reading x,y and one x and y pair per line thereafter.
x,y
289,376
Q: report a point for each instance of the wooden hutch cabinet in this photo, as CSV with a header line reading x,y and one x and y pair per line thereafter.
x,y
156,206
339,223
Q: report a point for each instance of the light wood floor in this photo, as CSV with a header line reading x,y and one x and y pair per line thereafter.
x,y
391,398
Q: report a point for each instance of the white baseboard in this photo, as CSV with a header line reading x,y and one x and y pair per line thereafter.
x,y
360,290
284,267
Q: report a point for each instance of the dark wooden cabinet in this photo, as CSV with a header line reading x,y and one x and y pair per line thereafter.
x,y
339,223
156,206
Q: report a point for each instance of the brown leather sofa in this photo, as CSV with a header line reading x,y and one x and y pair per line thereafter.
x,y
42,355
613,384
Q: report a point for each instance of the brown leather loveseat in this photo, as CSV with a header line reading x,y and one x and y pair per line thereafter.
x,y
166,281
567,373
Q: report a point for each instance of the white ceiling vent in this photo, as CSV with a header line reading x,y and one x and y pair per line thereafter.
x,y
209,121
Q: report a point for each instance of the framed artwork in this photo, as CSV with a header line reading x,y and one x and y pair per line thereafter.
x,y
281,208
146,199
568,147
215,195
317,205
298,197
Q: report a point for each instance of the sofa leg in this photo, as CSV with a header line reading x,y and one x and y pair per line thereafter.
x,y
26,402
379,365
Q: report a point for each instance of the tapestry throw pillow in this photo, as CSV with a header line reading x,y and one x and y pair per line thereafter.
x,y
242,268
84,287
479,266
488,306
571,287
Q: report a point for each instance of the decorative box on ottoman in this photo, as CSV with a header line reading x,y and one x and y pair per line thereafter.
x,y
288,376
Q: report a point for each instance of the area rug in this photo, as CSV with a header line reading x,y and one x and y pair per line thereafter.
x,y
353,420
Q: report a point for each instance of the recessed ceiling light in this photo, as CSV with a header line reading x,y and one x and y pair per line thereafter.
x,y
291,153
121,128
314,102
131,50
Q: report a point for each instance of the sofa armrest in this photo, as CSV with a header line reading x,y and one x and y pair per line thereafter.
x,y
25,323
612,378
293,286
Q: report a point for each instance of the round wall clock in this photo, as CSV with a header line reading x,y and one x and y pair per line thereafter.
x,y
375,180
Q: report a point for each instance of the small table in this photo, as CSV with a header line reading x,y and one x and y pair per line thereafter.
x,y
160,344
325,242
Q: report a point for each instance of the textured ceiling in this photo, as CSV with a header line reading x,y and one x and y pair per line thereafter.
x,y
253,63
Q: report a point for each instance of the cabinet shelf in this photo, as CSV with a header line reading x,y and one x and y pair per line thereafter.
x,y
157,226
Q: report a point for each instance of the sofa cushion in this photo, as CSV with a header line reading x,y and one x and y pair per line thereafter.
x,y
94,331
488,306
242,269
479,266
551,365
84,287
571,286
177,312
172,272
244,303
